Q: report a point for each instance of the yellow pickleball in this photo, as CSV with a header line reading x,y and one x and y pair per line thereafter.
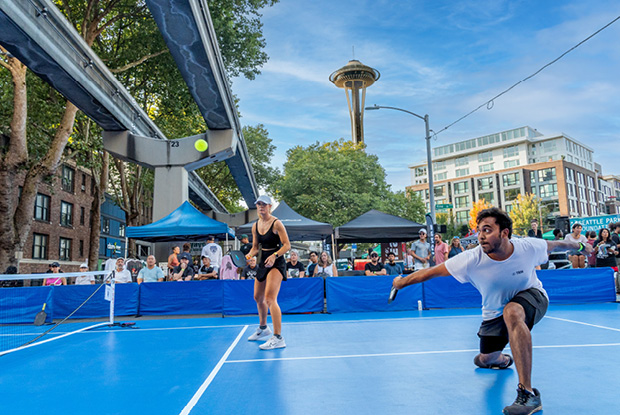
x,y
201,145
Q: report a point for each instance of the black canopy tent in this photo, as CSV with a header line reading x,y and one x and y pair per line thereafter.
x,y
299,228
377,226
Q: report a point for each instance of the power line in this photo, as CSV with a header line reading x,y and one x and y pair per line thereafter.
x,y
489,104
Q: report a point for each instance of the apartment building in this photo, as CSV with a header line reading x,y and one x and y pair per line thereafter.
x,y
497,167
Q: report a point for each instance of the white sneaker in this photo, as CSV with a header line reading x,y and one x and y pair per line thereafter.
x,y
273,343
260,334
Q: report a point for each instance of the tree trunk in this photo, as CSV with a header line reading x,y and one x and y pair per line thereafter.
x,y
95,211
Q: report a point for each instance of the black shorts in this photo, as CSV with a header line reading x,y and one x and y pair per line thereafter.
x,y
494,333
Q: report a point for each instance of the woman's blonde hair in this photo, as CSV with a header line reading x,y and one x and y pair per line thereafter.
x,y
329,259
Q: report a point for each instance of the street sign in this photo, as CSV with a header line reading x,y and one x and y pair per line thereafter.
x,y
444,206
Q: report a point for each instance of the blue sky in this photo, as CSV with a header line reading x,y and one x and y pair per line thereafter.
x,y
443,58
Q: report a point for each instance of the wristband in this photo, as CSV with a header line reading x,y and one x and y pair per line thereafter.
x,y
581,247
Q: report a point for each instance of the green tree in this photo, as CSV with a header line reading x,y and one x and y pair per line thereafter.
x,y
36,122
337,181
260,150
525,208
452,228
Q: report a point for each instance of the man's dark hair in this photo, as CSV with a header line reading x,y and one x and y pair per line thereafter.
x,y
501,218
576,225
314,252
391,253
557,232
186,247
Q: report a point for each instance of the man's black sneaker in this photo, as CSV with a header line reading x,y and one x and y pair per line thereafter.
x,y
526,403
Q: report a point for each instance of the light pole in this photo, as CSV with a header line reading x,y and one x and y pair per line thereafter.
x,y
429,162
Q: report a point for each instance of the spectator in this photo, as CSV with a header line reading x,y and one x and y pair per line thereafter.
x,y
184,272
441,250
11,283
206,271
173,260
325,267
374,267
196,266
84,279
409,263
150,273
392,267
605,249
314,259
56,280
421,252
591,235
294,268
614,228
455,247
577,257
249,271
534,232
214,252
246,246
558,235
187,248
121,275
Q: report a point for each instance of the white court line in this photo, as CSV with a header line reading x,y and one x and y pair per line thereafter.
x,y
582,323
190,405
560,346
294,323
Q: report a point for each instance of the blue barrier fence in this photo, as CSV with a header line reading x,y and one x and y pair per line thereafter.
x,y
304,295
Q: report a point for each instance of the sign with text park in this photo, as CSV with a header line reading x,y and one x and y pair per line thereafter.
x,y
594,223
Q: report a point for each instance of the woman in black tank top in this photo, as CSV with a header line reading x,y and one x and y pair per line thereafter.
x,y
270,243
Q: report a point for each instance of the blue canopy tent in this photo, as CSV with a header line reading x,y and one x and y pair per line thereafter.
x,y
186,223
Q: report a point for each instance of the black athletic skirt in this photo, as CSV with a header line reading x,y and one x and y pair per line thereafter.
x,y
280,265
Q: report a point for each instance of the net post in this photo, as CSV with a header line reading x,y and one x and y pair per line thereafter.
x,y
113,296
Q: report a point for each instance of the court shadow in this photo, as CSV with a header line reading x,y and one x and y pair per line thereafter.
x,y
499,386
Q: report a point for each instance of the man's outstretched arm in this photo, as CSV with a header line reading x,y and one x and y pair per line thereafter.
x,y
566,244
421,276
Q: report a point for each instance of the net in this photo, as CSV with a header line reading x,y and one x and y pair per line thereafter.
x,y
33,306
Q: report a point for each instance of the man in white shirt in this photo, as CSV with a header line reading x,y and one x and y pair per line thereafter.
x,y
84,279
513,299
121,275
214,252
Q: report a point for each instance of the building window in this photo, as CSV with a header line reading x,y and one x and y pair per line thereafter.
x,y
511,194
102,246
511,179
83,182
488,197
461,202
485,183
420,171
67,179
532,177
549,146
570,174
535,190
64,253
440,191
461,187
511,151
546,175
439,165
121,230
143,250
39,246
461,161
82,215
508,208
105,225
81,248
486,167
462,216
441,176
485,156
66,214
462,172
42,207
548,190
580,179
511,163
